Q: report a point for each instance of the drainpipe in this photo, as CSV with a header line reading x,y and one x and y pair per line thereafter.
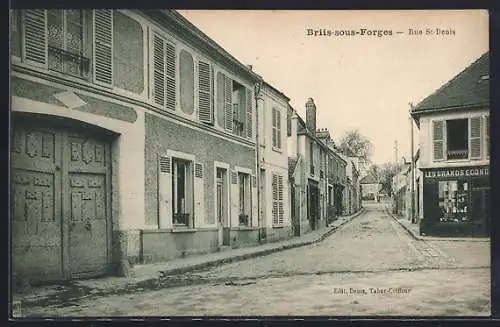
x,y
257,90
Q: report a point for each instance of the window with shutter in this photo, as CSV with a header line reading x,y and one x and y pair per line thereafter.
x,y
205,92
199,206
103,46
487,136
249,102
280,199
182,192
35,36
275,209
274,119
164,69
228,103
438,139
475,138
15,30
278,129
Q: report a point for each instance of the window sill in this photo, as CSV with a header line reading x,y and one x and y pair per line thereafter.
x,y
183,230
245,228
278,226
277,150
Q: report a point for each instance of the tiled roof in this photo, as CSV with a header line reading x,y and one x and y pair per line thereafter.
x,y
368,179
471,87
292,163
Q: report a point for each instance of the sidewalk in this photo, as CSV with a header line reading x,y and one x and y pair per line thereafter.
x,y
414,231
142,277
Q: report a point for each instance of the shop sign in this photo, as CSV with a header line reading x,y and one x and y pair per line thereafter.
x,y
458,172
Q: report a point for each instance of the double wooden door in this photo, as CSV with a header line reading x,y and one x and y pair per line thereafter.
x,y
60,186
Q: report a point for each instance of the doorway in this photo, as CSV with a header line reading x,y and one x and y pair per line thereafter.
x,y
61,201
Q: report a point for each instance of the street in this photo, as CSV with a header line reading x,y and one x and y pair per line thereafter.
x,y
370,266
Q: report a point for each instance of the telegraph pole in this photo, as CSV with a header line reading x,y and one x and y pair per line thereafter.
x,y
412,166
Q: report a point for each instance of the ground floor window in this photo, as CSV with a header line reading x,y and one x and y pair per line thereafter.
x,y
454,201
244,199
182,192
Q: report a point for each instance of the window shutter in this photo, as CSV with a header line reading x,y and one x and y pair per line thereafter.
x,y
228,105
274,127
234,177
438,139
487,135
165,192
170,76
250,102
103,46
275,200
475,138
35,36
199,204
280,200
278,129
205,93
158,70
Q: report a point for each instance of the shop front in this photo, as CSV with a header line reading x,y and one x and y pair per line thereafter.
x,y
456,201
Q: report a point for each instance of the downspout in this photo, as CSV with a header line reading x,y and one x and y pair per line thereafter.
x,y
257,90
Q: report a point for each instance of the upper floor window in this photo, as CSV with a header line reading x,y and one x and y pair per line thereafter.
x,y
459,138
67,49
101,44
164,71
276,128
234,106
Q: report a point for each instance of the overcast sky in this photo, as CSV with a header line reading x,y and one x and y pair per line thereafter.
x,y
363,81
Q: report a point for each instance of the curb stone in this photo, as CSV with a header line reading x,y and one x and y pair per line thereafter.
x,y
155,281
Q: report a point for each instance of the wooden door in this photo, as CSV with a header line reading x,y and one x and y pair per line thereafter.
x,y
36,204
60,204
86,204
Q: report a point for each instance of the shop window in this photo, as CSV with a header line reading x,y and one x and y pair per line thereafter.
x,y
457,139
454,201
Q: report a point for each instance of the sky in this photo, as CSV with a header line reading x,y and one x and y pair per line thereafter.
x,y
363,82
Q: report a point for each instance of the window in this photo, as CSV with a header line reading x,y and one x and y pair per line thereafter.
x,y
244,199
278,207
186,81
66,45
457,139
128,54
463,139
487,135
182,192
164,70
239,109
276,128
454,201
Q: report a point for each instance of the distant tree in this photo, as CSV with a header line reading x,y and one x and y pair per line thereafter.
x,y
353,144
384,173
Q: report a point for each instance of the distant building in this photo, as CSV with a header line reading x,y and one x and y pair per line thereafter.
x,y
454,127
370,187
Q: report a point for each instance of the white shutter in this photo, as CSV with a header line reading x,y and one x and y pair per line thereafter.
x,y
158,70
475,138
255,213
234,199
35,36
275,210
103,46
228,103
438,139
165,192
278,129
199,200
280,200
205,92
487,136
249,102
170,63
274,126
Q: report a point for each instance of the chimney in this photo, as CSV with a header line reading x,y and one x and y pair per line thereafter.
x,y
250,67
311,115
